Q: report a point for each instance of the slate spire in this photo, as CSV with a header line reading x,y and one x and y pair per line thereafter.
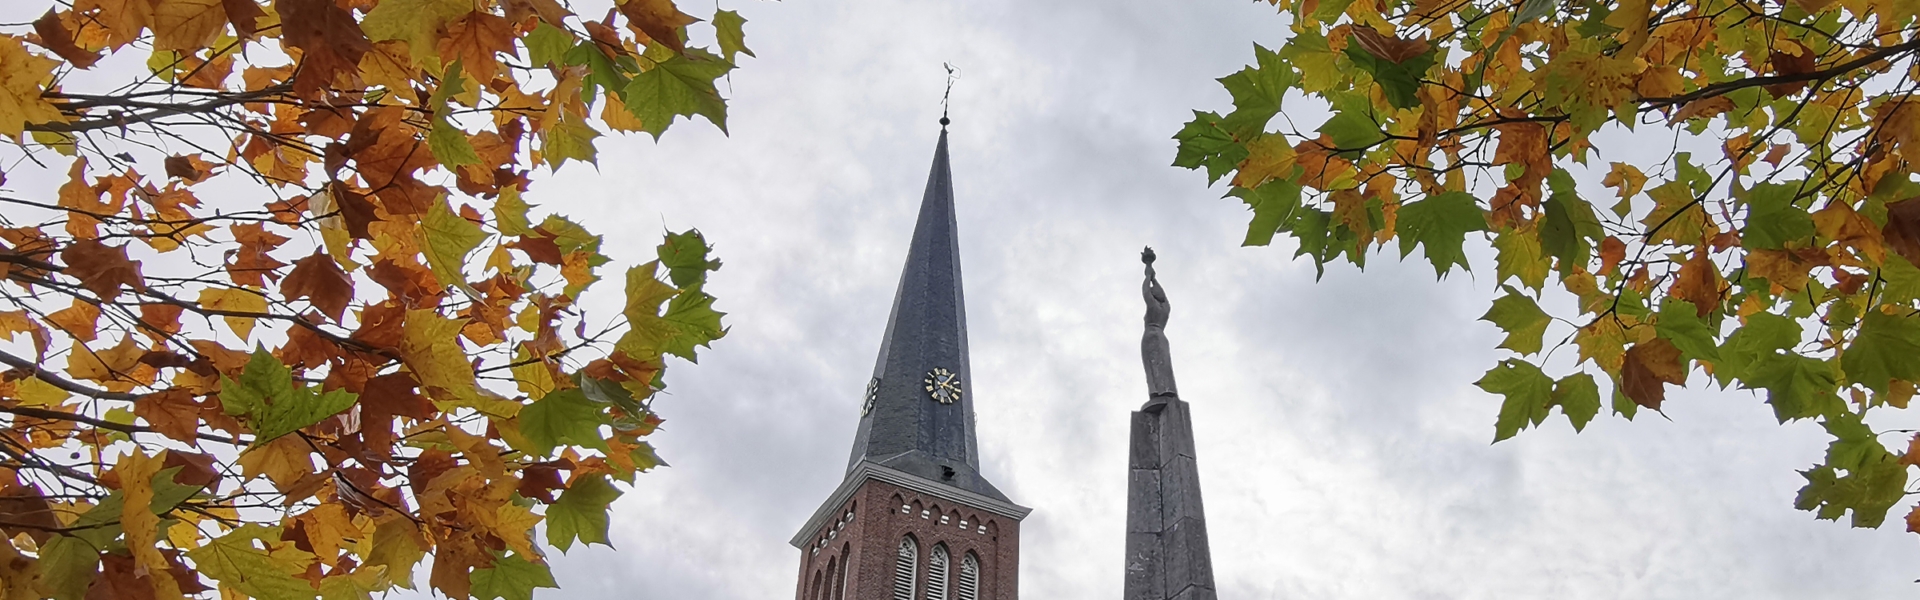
x,y
1167,553
917,416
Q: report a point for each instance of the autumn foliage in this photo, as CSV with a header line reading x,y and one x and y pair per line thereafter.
x,y
281,320
1762,229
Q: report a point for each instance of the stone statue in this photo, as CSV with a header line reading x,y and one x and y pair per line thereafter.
x,y
1153,345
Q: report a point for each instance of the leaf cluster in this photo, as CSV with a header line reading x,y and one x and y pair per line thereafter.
x,y
284,323
1784,262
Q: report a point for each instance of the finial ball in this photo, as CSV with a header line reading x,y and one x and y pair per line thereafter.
x,y
1146,256
945,121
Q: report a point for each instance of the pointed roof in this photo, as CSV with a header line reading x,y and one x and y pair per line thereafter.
x,y
902,425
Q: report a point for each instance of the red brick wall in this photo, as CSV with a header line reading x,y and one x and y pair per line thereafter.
x,y
868,543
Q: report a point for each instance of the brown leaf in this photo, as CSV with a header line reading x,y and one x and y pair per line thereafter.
x,y
1612,251
196,469
119,580
538,481
330,41
518,11
251,265
80,320
427,467
380,325
1649,365
56,37
245,16
1387,46
319,279
410,284
24,509
660,20
102,269
306,349
160,320
1699,283
540,249
386,397
172,413
1791,64
189,167
1902,232
353,208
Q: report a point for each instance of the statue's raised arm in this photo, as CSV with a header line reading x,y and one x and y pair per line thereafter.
x,y
1154,352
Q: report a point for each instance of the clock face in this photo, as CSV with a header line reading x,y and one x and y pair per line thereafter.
x,y
873,393
943,385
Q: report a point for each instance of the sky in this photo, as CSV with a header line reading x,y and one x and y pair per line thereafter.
x,y
1343,450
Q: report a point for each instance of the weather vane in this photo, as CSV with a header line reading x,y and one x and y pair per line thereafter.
x,y
953,73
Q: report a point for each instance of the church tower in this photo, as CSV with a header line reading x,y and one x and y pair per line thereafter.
x,y
914,519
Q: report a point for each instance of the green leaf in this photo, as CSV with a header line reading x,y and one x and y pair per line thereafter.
x,y
1257,91
510,212
694,321
1570,224
1578,397
1622,405
449,144
267,400
1681,324
1903,281
1875,479
1521,318
1772,219
1763,335
1518,256
1439,224
1887,348
602,72
733,38
685,256
680,86
547,44
563,417
235,562
1273,204
1797,386
568,138
1203,143
395,549
448,239
1353,126
510,578
68,565
581,513
1399,82
1528,394
418,22
570,236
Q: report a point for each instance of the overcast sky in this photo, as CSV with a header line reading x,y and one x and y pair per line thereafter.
x,y
1342,446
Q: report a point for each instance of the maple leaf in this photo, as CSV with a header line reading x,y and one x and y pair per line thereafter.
x,y
511,577
416,22
267,398
1439,225
679,86
1527,392
102,269
1649,366
1887,348
660,20
239,303
1521,319
187,25
21,75
563,417
56,37
732,39
251,559
581,513
1902,231
319,279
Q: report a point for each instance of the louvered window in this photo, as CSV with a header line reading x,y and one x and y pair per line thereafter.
x,y
937,573
969,577
904,567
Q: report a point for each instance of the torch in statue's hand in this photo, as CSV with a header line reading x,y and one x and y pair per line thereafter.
x,y
1146,256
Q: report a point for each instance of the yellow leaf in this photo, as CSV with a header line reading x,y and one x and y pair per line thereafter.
x,y
617,116
328,527
1632,17
14,321
81,320
34,392
237,300
1268,157
512,523
533,378
21,76
136,472
283,461
112,365
187,25
1840,223
448,239
429,343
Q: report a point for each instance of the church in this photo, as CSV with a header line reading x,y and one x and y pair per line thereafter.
x,y
915,519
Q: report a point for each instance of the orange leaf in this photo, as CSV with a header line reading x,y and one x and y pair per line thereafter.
x,y
56,37
1388,46
1903,229
172,413
477,39
1839,222
1699,282
80,320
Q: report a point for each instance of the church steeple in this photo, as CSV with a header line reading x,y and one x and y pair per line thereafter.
x,y
913,518
917,416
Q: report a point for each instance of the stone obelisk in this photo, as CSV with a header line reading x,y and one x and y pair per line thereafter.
x,y
1167,554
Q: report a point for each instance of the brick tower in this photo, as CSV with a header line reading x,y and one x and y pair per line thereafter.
x,y
914,519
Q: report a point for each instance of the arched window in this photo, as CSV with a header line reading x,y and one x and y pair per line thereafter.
x,y
904,566
970,577
840,580
937,573
815,594
827,578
